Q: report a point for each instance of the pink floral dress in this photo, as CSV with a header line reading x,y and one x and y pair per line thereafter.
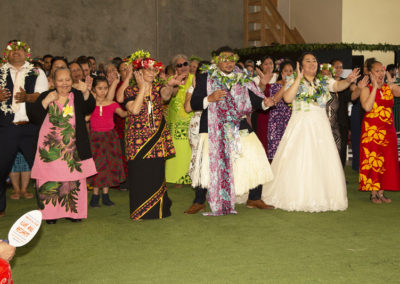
x,y
60,174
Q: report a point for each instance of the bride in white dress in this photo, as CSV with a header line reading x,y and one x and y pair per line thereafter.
x,y
308,174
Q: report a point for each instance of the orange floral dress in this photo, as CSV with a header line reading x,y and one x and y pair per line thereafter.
x,y
379,166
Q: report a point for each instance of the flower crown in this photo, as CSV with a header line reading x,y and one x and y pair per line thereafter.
x,y
141,59
147,63
225,58
15,45
329,67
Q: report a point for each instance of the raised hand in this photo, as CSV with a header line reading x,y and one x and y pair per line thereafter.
x,y
139,79
130,72
111,77
81,86
5,94
353,76
298,71
89,82
52,96
264,78
142,84
389,78
374,80
363,82
177,80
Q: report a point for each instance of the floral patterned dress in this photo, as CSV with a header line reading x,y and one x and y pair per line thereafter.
x,y
379,166
278,119
60,174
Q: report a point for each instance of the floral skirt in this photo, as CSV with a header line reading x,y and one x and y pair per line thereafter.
x,y
106,150
62,199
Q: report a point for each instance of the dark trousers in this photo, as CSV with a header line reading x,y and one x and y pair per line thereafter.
x,y
200,194
344,132
14,138
123,184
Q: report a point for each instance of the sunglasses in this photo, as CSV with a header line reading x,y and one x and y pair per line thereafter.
x,y
180,65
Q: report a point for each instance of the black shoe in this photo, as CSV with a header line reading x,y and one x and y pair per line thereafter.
x,y
94,202
50,222
106,200
74,220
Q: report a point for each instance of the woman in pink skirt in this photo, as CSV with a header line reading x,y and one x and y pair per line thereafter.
x,y
63,159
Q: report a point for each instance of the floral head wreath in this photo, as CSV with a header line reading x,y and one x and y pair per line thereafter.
x,y
329,67
15,45
141,59
225,58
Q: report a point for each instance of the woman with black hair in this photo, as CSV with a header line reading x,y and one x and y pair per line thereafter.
x,y
379,166
265,78
279,114
308,175
56,62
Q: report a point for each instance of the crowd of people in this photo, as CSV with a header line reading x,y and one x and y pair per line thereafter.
x,y
269,135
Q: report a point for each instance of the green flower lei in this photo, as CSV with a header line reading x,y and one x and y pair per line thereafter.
x,y
319,90
237,78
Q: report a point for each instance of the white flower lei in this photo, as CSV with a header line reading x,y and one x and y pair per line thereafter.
x,y
230,80
3,82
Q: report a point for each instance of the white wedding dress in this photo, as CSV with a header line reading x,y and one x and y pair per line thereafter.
x,y
308,174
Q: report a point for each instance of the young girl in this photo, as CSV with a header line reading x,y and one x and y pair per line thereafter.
x,y
104,142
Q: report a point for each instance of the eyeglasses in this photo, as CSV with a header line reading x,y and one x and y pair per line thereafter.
x,y
180,65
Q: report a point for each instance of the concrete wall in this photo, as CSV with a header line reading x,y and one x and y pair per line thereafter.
x,y
108,28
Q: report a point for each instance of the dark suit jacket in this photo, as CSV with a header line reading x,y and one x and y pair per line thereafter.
x,y
200,92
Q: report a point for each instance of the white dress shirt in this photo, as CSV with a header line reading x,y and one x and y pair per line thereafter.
x,y
18,77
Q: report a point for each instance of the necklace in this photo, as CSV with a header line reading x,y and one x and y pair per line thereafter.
x,y
101,106
150,114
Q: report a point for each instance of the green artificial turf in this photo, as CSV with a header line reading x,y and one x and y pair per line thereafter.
x,y
359,245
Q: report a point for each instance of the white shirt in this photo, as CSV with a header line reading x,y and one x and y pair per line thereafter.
x,y
41,86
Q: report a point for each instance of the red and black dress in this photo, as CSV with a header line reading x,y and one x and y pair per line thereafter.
x,y
148,143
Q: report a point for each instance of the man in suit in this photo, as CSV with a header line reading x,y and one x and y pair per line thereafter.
x,y
233,163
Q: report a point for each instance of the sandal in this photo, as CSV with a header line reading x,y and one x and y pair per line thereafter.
x,y
383,198
27,195
15,195
375,199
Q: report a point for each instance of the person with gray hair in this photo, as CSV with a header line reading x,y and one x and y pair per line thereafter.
x,y
63,158
176,169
